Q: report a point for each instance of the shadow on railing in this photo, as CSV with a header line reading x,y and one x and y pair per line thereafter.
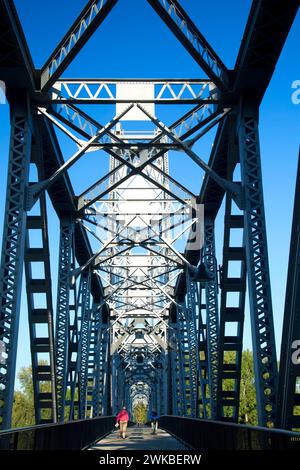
x,y
205,435
73,435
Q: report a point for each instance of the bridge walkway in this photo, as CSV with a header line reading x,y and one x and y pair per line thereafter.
x,y
139,438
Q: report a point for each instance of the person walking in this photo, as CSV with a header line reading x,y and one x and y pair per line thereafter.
x,y
154,421
122,419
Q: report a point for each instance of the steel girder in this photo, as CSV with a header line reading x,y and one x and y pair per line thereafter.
x,y
182,364
288,416
88,20
191,313
64,305
117,387
94,363
81,328
263,336
84,341
232,311
167,91
101,396
163,392
37,254
189,35
13,247
204,405
173,380
212,314
14,51
190,369
184,127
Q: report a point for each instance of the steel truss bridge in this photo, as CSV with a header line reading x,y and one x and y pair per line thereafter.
x,y
138,316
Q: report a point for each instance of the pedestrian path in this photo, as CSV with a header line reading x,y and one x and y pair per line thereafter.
x,y
139,438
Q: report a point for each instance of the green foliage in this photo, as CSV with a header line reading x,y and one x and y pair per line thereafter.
x,y
23,411
247,411
140,413
23,406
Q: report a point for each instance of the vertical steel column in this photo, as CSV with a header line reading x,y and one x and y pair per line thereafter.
x,y
105,367
212,318
84,342
12,257
42,374
204,398
232,299
174,389
38,283
75,319
288,416
63,313
232,314
186,363
114,383
158,391
164,383
193,346
264,349
181,364
120,391
93,398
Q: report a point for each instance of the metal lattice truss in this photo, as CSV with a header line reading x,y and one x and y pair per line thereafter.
x,y
143,313
110,91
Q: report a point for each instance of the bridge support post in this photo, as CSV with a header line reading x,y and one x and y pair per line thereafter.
x,y
232,299
66,253
84,342
37,254
232,314
106,405
212,314
263,337
94,371
288,416
191,342
12,257
181,374
164,384
173,385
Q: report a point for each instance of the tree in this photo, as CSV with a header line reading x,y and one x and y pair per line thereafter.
x,y
23,406
23,413
248,408
140,413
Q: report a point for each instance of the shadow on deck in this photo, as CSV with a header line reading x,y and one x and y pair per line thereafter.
x,y
139,438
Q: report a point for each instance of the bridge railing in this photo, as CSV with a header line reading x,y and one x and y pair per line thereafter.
x,y
206,435
73,435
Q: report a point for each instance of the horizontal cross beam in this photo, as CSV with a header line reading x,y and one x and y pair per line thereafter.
x,y
88,91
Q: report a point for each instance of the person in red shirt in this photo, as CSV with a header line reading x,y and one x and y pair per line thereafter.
x,y
122,419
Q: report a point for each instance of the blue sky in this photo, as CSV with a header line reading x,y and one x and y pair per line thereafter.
x,y
134,43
